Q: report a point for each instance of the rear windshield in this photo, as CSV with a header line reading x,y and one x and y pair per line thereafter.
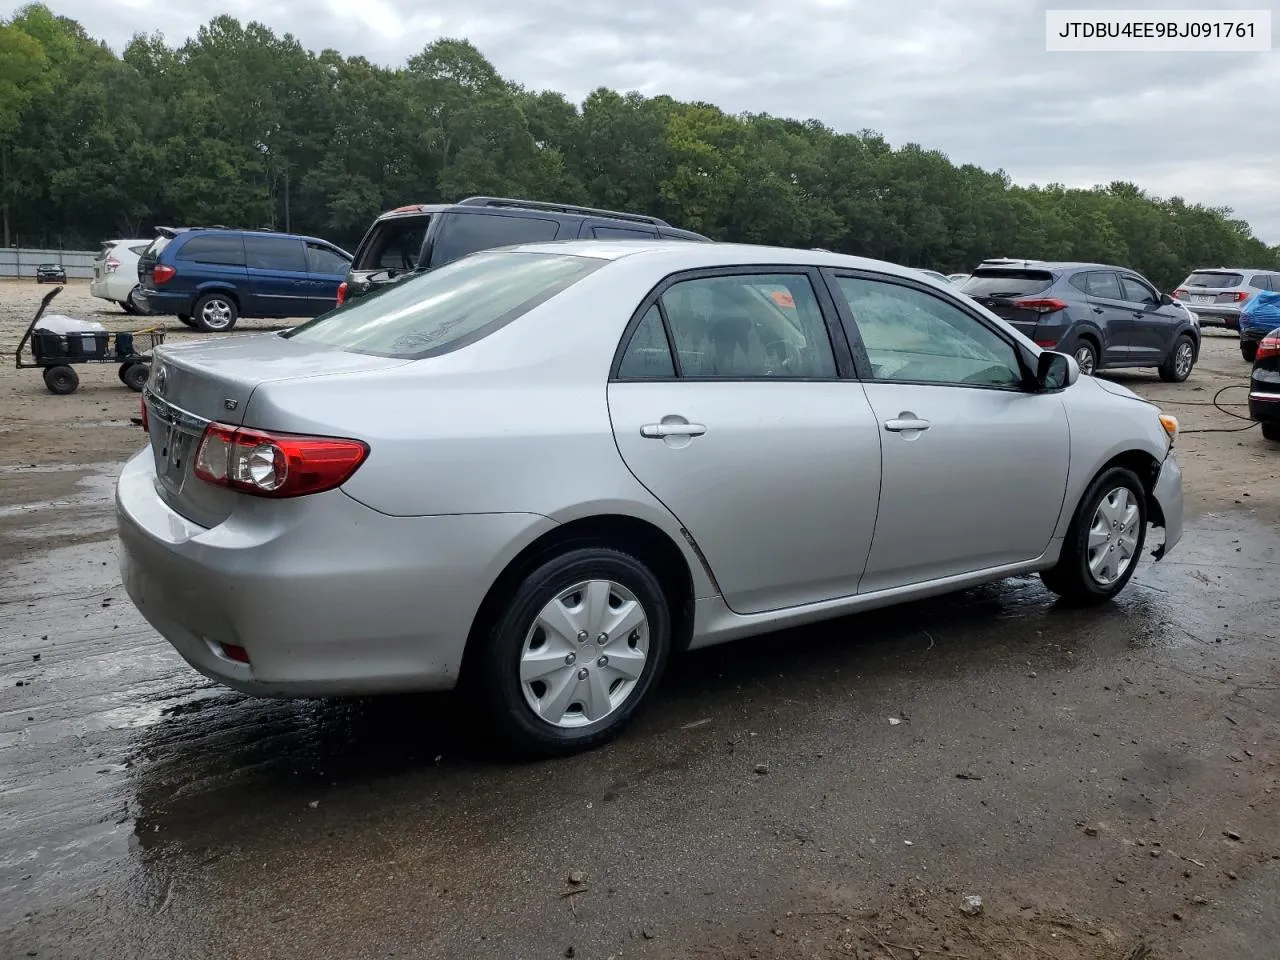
x,y
155,246
1218,281
450,307
1006,283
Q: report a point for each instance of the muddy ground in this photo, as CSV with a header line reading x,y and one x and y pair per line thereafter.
x,y
1106,780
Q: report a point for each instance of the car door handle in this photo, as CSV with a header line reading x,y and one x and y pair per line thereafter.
x,y
657,431
902,424
1098,310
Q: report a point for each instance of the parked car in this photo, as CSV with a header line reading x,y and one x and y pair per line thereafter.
x,y
1261,315
1218,294
209,277
935,275
424,236
543,470
1264,386
957,278
51,273
1104,316
115,272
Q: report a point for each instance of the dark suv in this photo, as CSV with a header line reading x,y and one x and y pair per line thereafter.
x,y
209,277
1104,316
423,236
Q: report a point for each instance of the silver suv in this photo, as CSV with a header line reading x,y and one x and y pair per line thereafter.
x,y
1218,294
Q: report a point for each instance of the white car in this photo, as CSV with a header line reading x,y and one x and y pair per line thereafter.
x,y
115,272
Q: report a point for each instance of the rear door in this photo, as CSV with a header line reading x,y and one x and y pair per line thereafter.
x,y
1152,325
610,230
278,278
326,268
1112,313
459,233
974,468
750,435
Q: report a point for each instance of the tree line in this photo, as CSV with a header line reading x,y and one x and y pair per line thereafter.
x,y
243,127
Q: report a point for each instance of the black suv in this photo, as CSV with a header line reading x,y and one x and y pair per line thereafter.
x,y
1103,316
423,236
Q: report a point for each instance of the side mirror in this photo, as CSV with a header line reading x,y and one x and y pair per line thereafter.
x,y
1056,371
1166,300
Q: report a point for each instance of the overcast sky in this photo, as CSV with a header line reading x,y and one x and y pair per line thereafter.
x,y
969,77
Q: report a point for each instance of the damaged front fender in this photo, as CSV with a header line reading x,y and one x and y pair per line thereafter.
x,y
1166,505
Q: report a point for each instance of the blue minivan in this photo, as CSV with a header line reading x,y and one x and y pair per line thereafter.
x,y
209,277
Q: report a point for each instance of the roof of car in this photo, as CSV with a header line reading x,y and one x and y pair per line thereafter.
x,y
1056,265
1235,270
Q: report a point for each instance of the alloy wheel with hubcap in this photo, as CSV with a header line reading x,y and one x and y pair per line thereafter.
x,y
215,313
1086,359
1177,365
1103,542
584,653
1113,536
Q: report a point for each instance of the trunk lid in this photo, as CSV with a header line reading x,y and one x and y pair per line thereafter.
x,y
195,384
1000,289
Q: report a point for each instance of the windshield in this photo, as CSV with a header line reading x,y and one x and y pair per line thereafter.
x,y
1217,281
447,308
1006,283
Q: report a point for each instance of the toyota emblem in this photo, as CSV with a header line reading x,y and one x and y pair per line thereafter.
x,y
162,379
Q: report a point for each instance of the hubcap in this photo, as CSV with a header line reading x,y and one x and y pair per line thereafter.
x,y
216,314
1182,362
1084,357
1113,536
569,682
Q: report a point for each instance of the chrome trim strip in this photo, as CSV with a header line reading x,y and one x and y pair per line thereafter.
x,y
173,414
1264,395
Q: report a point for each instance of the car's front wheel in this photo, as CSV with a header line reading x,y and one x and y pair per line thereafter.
x,y
1104,541
1177,366
580,643
1249,350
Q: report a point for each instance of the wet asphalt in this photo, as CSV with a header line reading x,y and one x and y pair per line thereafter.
x,y
989,742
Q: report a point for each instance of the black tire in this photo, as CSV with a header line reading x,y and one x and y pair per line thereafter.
x,y
1271,430
215,313
1181,360
1249,350
186,319
120,371
61,380
135,375
128,306
1071,577
503,643
1086,355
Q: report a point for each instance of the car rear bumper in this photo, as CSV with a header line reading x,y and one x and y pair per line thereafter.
x,y
1264,395
1212,314
162,303
327,597
1168,498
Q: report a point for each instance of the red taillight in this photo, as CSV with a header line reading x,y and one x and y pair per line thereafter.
x,y
342,293
1047,344
233,652
1269,347
1180,294
275,464
162,273
1049,305
112,264
1239,296
411,208
146,421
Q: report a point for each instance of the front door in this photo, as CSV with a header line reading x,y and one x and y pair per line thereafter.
x,y
974,468
326,270
1151,325
750,436
277,268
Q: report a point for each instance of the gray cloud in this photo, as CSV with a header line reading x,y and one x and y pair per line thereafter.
x,y
969,77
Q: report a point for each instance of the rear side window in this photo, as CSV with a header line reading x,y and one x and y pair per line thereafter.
x,y
622,233
139,248
1104,284
223,249
1007,283
648,355
463,233
1213,280
275,253
1262,282
447,308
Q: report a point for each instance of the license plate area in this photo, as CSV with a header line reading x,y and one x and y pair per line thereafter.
x,y
1201,299
175,435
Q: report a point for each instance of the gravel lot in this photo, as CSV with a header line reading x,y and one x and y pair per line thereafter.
x,y
1106,780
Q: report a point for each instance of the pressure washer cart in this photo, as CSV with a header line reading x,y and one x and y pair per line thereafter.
x,y
54,353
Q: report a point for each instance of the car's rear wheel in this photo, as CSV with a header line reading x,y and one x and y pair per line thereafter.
x,y
1249,350
578,646
1104,541
1177,366
1086,355
215,313
129,305
1271,431
185,318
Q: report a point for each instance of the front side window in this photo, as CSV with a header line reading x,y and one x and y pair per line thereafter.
x,y
322,259
748,326
217,248
464,233
446,308
1135,291
913,336
275,253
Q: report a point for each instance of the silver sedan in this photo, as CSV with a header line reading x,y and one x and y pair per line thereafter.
x,y
544,470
